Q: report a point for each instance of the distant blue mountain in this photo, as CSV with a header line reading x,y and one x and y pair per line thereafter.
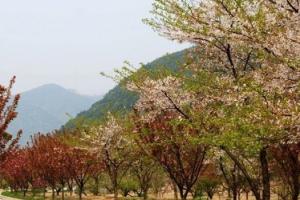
x,y
47,108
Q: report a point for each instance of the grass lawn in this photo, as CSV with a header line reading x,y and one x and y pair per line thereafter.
x,y
19,195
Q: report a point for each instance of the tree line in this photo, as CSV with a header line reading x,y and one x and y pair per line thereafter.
x,y
231,112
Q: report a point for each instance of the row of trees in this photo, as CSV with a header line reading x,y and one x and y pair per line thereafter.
x,y
231,112
49,163
54,162
236,101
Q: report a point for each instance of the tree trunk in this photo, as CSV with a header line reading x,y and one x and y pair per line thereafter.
x,y
70,187
115,188
234,194
115,193
80,195
44,193
175,190
80,190
183,193
96,179
295,176
63,194
252,184
210,195
145,194
266,194
296,189
53,193
247,195
57,192
114,180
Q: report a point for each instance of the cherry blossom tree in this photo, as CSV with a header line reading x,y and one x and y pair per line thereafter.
x,y
162,115
234,32
108,141
144,169
257,91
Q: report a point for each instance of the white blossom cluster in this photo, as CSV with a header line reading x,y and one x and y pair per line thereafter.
x,y
104,137
271,26
156,96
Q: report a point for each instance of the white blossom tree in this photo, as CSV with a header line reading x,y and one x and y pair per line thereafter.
x,y
108,140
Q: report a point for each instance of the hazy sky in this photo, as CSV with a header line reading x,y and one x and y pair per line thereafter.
x,y
69,42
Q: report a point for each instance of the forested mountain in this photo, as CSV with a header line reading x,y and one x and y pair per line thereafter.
x,y
121,100
46,108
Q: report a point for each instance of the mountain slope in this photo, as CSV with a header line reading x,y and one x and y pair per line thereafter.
x,y
121,100
46,108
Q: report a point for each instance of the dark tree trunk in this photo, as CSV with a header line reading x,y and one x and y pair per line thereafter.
x,y
145,194
210,195
266,194
58,191
175,190
115,187
96,180
63,193
253,185
247,195
80,190
231,179
115,193
44,193
24,193
183,193
295,175
296,189
234,194
53,193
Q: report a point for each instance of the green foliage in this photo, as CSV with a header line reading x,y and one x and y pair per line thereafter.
x,y
128,185
206,186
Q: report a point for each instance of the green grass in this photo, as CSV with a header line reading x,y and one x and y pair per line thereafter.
x,y
19,195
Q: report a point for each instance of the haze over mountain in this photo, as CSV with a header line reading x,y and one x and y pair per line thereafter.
x,y
46,108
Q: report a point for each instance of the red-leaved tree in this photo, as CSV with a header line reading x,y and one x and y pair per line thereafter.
x,y
17,170
169,146
81,166
8,106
